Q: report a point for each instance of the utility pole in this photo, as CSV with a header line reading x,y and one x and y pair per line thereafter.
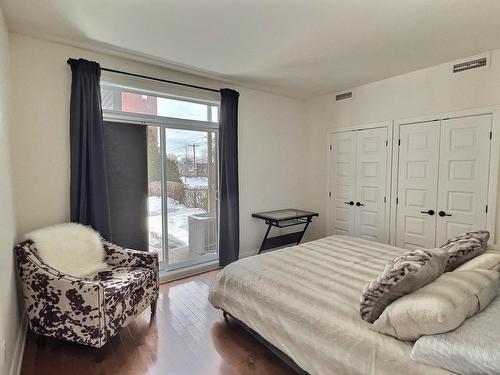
x,y
194,145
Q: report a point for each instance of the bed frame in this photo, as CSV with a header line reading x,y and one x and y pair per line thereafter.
x,y
277,352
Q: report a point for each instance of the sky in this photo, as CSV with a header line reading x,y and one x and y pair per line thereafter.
x,y
181,109
179,142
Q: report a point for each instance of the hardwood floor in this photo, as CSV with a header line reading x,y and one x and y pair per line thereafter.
x,y
187,336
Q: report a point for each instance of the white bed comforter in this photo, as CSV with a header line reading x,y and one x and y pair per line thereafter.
x,y
470,349
304,300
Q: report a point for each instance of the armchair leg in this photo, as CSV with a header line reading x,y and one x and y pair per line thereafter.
x,y
153,308
99,354
40,340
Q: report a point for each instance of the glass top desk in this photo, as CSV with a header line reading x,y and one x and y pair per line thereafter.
x,y
282,219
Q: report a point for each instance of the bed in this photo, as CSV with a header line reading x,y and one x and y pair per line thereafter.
x,y
304,300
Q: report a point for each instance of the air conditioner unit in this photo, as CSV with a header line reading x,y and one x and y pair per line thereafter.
x,y
202,234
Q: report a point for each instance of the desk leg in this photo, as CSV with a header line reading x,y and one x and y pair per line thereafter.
x,y
304,231
265,238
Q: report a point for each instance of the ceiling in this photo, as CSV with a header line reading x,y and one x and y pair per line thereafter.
x,y
299,48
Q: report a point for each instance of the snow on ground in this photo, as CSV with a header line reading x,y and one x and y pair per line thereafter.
x,y
177,223
195,182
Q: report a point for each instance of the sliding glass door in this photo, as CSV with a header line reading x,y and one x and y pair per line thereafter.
x,y
183,210
182,146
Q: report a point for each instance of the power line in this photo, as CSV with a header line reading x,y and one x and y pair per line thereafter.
x,y
194,145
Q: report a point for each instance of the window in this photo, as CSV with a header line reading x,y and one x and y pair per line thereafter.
x,y
182,149
128,100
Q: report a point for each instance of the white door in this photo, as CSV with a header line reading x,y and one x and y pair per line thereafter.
x,y
417,185
463,176
342,182
371,177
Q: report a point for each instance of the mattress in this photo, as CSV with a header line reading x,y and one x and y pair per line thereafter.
x,y
304,300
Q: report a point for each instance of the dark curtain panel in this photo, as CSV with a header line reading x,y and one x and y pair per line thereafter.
x,y
229,236
89,202
127,166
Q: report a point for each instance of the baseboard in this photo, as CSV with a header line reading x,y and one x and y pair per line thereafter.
x,y
166,277
17,357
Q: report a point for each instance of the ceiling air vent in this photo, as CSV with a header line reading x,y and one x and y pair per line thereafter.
x,y
343,96
474,63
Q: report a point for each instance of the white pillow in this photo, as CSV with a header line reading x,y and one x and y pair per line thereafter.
x,y
70,248
486,261
440,306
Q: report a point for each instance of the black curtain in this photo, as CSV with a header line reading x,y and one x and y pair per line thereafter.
x,y
89,203
229,236
127,166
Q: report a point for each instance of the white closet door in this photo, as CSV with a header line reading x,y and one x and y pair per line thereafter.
x,y
463,176
371,177
417,185
342,181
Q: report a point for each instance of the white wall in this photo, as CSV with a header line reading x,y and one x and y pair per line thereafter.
x,y
271,134
424,92
272,160
9,312
282,140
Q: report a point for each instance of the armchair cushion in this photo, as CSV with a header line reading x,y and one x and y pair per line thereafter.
x,y
127,292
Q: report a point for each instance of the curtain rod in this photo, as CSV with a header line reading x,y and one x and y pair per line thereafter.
x,y
154,78
160,80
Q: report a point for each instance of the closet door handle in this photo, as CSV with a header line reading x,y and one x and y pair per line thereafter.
x,y
351,203
442,214
359,204
429,212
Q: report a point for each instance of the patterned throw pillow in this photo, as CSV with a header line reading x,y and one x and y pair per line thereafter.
x,y
465,247
404,274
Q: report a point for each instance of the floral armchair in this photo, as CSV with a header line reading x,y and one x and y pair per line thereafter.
x,y
87,310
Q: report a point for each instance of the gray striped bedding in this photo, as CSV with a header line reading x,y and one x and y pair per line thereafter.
x,y
305,301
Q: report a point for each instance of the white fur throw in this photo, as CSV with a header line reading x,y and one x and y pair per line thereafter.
x,y
70,248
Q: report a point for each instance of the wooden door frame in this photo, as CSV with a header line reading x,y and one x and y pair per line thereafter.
x,y
494,111
329,195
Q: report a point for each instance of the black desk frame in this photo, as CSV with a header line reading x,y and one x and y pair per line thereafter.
x,y
284,239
